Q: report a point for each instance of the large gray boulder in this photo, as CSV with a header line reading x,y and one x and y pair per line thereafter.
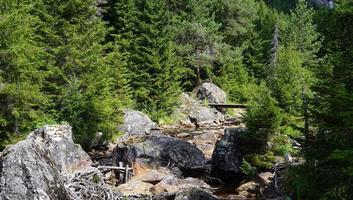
x,y
194,194
227,157
193,112
161,151
137,123
38,167
206,116
211,93
66,155
26,173
172,184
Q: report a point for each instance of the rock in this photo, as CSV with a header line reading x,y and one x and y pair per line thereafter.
x,y
265,178
227,158
206,116
57,140
183,135
249,189
164,196
135,188
206,143
28,173
288,158
98,141
261,186
172,184
159,189
191,111
160,151
211,93
137,123
154,176
194,194
37,168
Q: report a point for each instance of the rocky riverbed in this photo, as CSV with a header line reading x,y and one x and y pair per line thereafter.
x,y
199,157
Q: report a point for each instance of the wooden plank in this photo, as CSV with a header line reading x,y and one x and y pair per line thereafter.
x,y
126,173
121,173
113,167
227,105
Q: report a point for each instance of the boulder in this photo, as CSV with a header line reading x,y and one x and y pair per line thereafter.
x,y
171,185
38,167
206,142
261,186
250,190
194,194
135,188
211,93
66,155
191,111
206,116
28,173
227,157
265,178
154,176
160,151
137,123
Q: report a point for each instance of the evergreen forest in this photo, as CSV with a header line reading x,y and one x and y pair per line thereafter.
x,y
83,62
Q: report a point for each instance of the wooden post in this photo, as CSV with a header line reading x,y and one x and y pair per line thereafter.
x,y
121,176
126,173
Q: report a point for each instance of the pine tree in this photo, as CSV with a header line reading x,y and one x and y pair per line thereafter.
x,y
237,18
152,68
329,155
302,34
263,117
121,16
22,71
231,74
82,84
195,34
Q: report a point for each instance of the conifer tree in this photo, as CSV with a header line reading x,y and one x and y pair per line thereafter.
x,y
196,37
152,67
22,70
121,16
302,34
82,83
237,18
329,155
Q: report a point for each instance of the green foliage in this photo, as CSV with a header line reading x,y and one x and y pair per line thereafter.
x,y
282,5
263,117
327,174
261,161
247,169
88,84
61,70
289,80
237,18
302,34
22,73
280,145
231,75
292,65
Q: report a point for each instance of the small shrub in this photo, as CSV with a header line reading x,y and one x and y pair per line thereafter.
x,y
264,161
247,169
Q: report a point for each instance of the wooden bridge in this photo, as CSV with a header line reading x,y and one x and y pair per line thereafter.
x,y
227,105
